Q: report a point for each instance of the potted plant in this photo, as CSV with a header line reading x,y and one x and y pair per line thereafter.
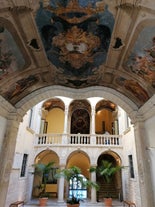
x,y
107,170
43,171
69,174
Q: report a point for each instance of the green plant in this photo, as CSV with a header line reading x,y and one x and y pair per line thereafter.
x,y
107,170
70,174
43,171
73,200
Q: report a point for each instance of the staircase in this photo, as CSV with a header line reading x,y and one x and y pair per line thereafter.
x,y
107,189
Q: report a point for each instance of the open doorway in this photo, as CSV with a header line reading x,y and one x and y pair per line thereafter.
x,y
114,187
80,160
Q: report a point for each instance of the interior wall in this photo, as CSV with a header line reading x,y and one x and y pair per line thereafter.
x,y
103,116
55,119
130,185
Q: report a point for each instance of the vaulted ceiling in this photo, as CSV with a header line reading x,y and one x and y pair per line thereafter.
x,y
77,44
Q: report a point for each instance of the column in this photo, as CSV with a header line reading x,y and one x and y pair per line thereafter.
x,y
92,129
93,120
66,119
93,190
7,152
144,173
64,139
61,187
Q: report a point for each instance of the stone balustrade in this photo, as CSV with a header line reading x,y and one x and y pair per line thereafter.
x,y
78,139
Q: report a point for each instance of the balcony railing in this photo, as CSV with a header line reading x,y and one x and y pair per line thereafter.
x,y
78,139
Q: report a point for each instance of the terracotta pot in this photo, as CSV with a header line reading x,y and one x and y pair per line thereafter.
x,y
43,201
108,202
72,205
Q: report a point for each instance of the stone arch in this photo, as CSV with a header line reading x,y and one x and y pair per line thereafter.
x,y
115,185
47,153
43,94
73,160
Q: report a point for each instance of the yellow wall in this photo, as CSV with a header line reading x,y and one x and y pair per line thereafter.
x,y
80,160
55,119
106,116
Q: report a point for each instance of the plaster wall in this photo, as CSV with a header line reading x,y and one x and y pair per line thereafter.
x,y
55,119
130,185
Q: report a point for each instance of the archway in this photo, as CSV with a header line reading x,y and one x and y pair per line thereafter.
x,y
75,187
29,101
45,157
114,187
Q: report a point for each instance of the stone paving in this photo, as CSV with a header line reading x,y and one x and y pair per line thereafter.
x,y
54,203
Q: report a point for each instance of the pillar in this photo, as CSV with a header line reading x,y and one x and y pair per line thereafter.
x,y
7,152
66,120
144,173
61,187
92,130
64,138
93,190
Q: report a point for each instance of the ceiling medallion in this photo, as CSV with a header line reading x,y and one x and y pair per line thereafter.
x,y
76,46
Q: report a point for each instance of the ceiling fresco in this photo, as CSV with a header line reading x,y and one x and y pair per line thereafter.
x,y
11,58
76,36
77,44
142,59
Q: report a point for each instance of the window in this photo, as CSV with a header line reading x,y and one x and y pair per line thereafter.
x,y
131,168
76,188
24,163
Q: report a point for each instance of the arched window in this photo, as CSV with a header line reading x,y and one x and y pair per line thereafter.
x,y
76,187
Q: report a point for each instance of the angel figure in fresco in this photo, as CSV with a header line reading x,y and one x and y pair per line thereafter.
x,y
142,65
5,60
136,89
151,55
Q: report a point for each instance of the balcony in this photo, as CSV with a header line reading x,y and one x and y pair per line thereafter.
x,y
42,140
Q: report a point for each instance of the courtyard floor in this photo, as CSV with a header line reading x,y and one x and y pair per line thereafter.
x,y
54,203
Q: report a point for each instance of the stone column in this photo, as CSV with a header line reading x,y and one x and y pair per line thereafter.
x,y
93,190
93,120
61,187
64,139
144,173
7,156
66,120
92,129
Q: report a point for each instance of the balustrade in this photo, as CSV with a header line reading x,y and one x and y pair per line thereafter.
x,y
77,139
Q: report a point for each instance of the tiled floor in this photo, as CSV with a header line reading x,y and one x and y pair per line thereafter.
x,y
54,203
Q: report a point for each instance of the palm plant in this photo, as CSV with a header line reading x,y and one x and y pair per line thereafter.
x,y
43,171
70,174
107,170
